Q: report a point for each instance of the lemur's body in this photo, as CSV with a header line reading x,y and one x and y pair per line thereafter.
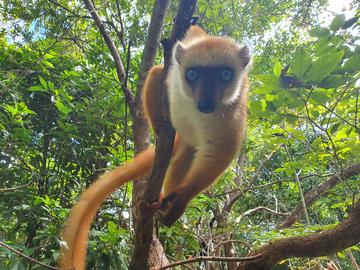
x,y
207,84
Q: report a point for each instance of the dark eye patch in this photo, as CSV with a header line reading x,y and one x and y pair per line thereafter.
x,y
210,74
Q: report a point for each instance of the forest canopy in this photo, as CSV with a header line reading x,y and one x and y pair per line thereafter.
x,y
70,110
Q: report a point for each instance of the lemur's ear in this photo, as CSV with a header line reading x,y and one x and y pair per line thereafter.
x,y
244,55
179,52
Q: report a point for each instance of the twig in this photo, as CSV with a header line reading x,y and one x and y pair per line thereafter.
x,y
128,57
356,111
234,241
210,259
114,53
297,173
15,188
121,33
247,189
31,259
250,211
65,8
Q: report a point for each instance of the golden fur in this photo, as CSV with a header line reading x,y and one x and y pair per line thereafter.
x,y
205,145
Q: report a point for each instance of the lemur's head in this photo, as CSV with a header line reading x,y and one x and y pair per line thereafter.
x,y
211,70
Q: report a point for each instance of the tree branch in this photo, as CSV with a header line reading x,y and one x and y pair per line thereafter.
x,y
319,191
344,235
209,259
31,259
114,53
147,61
16,188
259,208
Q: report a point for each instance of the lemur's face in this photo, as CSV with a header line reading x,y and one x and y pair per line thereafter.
x,y
211,71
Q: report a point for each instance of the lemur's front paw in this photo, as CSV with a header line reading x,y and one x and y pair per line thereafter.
x,y
172,208
155,206
165,201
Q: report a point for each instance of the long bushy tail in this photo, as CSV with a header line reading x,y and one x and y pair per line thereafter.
x,y
83,212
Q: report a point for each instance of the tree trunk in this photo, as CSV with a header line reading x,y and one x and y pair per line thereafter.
x,y
144,256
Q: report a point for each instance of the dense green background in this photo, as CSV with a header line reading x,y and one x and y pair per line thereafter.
x,y
62,123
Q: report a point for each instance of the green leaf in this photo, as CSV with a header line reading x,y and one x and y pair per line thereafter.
x,y
269,83
269,97
334,128
277,119
318,97
322,67
314,113
352,64
300,64
51,85
37,88
337,22
277,68
347,24
322,47
341,255
13,110
43,82
270,106
17,265
48,56
48,64
319,32
333,81
61,107
257,106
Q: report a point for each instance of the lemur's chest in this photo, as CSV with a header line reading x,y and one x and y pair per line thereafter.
x,y
187,122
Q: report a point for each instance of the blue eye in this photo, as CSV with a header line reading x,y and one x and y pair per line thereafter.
x,y
226,75
191,74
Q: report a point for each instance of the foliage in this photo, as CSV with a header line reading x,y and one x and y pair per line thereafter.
x,y
63,122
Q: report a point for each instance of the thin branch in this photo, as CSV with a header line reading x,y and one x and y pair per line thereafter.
x,y
65,8
247,189
31,259
114,53
356,111
250,211
120,18
126,105
248,245
209,259
16,188
120,34
261,166
303,203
